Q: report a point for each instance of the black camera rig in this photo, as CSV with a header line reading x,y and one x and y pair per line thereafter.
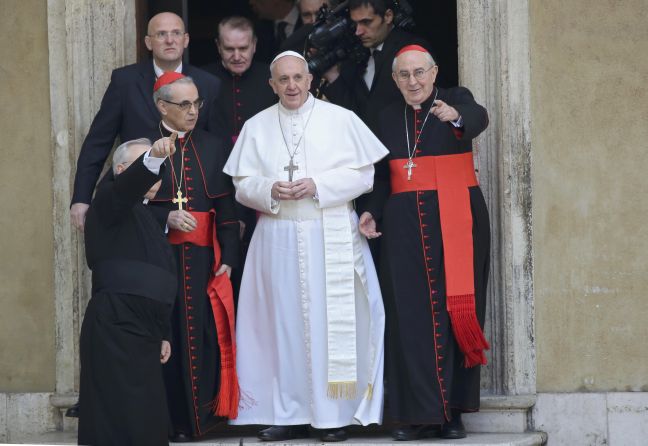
x,y
333,38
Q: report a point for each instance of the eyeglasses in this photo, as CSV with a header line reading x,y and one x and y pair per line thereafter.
x,y
186,105
419,73
162,35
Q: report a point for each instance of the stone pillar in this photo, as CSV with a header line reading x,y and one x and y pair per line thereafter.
x,y
87,40
494,63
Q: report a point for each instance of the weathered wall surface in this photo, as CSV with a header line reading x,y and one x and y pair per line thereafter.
x,y
27,354
590,163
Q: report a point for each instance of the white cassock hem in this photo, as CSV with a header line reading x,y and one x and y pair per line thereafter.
x,y
283,378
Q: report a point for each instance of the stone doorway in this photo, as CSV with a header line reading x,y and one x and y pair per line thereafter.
x,y
492,60
202,16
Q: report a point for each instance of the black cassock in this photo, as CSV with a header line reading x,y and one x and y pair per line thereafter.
x,y
133,288
193,372
424,371
241,97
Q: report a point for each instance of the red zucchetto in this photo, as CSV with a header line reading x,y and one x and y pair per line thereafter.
x,y
407,48
167,78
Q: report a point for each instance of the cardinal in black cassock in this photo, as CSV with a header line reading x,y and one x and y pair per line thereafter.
x,y
435,250
133,288
196,201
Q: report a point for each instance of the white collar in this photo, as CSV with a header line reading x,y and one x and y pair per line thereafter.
x,y
180,134
304,108
379,48
159,71
291,18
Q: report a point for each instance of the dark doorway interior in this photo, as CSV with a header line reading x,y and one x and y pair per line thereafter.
x,y
436,21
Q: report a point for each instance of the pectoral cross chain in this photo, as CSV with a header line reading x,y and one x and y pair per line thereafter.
x,y
180,199
290,168
409,165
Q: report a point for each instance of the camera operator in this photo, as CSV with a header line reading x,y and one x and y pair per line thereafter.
x,y
308,10
367,90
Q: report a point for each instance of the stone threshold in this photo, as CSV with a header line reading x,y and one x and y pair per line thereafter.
x,y
477,439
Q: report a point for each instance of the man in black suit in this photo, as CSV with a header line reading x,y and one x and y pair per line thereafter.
x,y
127,110
278,19
127,320
368,89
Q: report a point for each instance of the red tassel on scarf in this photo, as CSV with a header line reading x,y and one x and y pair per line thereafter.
x,y
466,329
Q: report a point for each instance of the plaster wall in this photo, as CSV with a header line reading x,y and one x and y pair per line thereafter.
x,y
590,158
27,354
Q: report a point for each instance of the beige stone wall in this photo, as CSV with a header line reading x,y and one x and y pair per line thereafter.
x,y
27,353
590,165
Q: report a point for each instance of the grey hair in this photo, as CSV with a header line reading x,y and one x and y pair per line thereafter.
x,y
236,22
121,152
164,92
272,65
428,56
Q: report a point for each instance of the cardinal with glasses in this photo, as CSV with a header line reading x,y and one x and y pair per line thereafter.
x,y
435,250
196,202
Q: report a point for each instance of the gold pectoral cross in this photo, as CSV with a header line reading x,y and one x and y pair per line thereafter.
x,y
409,165
180,199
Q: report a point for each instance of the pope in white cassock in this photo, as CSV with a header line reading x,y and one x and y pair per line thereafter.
x,y
310,323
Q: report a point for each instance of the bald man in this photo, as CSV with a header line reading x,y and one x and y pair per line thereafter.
x,y
126,325
127,110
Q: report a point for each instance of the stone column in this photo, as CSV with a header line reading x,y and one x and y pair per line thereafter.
x,y
494,63
87,40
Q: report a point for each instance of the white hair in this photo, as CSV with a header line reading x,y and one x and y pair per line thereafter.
x,y
121,152
428,56
164,92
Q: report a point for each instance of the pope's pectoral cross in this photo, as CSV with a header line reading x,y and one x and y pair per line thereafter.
x,y
409,165
290,168
180,199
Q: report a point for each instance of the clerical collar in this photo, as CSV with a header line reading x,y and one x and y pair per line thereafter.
x,y
232,75
180,134
425,105
305,107
159,71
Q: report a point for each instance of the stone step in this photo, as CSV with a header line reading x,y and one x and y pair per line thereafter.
x,y
477,439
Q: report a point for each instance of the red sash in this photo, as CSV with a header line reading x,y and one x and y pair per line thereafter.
x,y
451,176
221,297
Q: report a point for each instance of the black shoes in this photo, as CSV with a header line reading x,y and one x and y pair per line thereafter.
x,y
73,411
454,429
181,437
415,432
336,434
281,433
